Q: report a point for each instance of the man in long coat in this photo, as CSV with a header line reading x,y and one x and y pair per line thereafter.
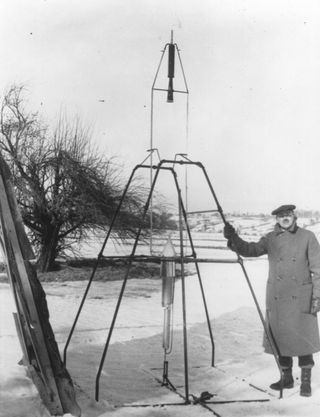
x,y
292,294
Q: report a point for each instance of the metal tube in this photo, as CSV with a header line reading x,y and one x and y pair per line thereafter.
x,y
151,164
167,273
199,276
176,91
142,258
185,341
202,211
167,335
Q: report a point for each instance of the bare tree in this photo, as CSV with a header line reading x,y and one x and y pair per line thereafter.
x,y
65,187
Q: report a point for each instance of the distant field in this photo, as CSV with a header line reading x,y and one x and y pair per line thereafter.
x,y
209,243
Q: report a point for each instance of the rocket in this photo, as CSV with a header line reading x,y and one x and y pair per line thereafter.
x,y
171,57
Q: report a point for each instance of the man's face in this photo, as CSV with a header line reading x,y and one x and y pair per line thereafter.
x,y
285,219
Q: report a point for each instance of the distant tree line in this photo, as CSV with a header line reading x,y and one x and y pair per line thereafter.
x,y
300,213
309,214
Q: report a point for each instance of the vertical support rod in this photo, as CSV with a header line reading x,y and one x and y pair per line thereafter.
x,y
187,150
184,213
184,315
151,172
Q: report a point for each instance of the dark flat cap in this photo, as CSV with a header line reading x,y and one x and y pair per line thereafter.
x,y
285,207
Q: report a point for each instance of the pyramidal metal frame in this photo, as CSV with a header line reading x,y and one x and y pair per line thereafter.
x,y
182,259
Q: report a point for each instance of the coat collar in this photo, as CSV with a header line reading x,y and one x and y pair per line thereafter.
x,y
292,229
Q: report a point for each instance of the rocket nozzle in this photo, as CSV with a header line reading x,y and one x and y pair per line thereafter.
x,y
170,91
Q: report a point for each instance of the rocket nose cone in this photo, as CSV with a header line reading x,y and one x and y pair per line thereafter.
x,y
168,249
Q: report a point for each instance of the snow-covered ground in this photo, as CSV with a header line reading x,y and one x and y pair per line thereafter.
x,y
135,358
133,368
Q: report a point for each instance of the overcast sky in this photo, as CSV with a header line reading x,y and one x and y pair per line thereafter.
x,y
252,69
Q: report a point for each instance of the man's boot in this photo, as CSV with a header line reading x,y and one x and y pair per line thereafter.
x,y
287,380
305,388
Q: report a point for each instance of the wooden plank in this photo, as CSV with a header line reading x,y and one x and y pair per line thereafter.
x,y
26,247
37,337
22,339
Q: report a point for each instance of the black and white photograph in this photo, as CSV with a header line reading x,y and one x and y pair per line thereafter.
x,y
159,208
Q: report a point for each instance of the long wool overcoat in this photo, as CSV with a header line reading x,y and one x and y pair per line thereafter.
x,y
294,277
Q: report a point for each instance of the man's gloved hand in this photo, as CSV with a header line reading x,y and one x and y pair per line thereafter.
x,y
315,305
228,231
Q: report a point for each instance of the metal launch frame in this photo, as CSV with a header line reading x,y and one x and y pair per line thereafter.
x,y
182,259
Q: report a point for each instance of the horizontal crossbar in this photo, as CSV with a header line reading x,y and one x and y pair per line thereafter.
x,y
177,259
202,211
